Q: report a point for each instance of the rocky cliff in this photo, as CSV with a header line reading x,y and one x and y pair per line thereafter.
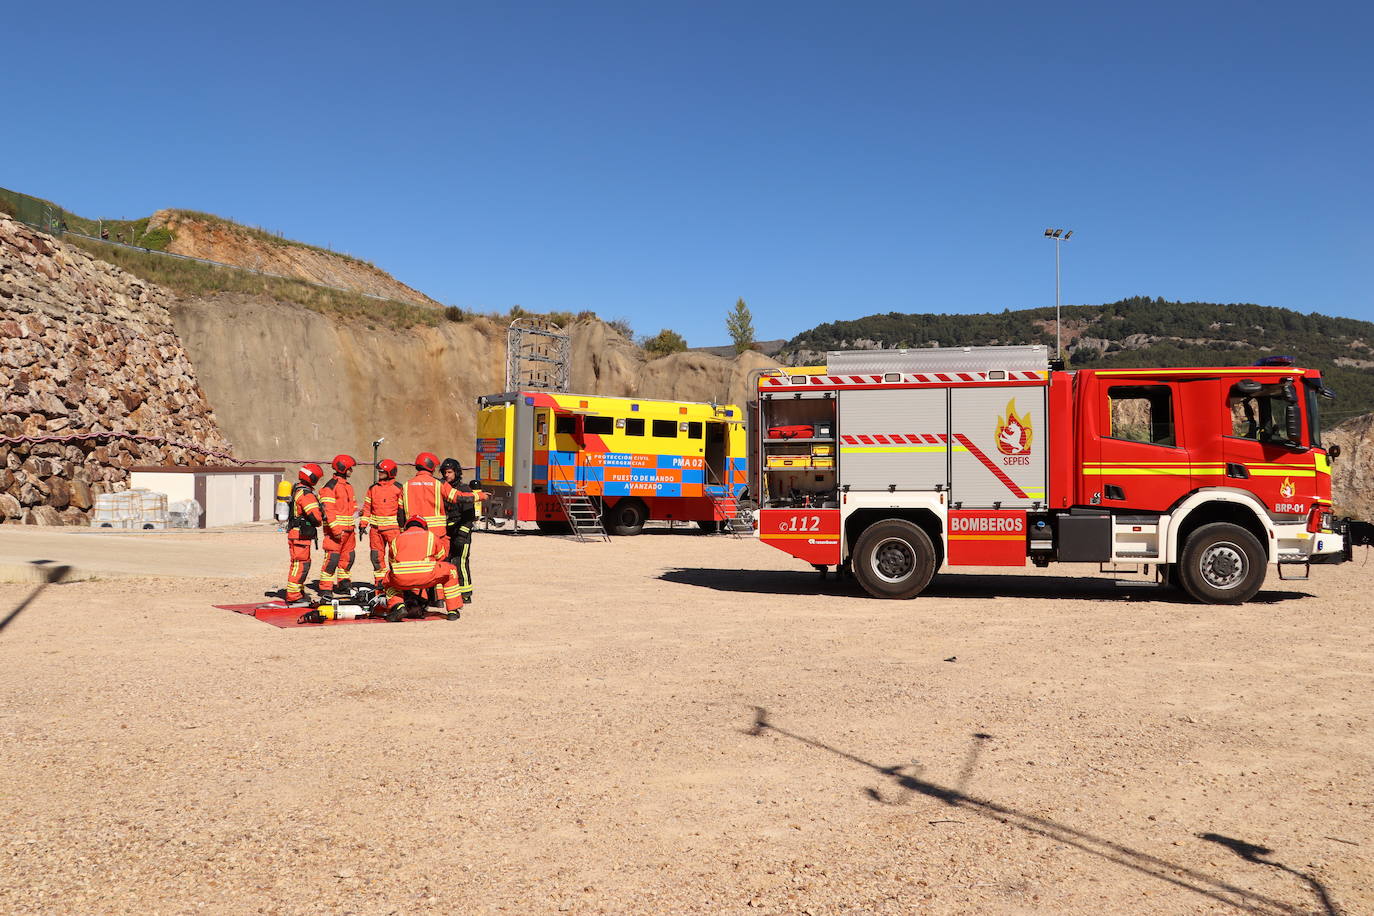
x,y
95,381
294,384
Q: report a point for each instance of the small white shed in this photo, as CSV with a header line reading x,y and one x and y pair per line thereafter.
x,y
227,496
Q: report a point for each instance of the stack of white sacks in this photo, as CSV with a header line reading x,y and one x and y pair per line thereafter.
x,y
143,510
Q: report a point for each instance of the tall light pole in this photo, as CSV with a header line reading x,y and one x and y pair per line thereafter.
x,y
1059,235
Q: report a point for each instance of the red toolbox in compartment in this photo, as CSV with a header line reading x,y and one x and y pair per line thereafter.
x,y
791,432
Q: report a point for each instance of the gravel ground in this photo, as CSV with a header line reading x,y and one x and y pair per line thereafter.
x,y
687,724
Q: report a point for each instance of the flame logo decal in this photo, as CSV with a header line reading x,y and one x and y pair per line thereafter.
x,y
1013,431
1286,490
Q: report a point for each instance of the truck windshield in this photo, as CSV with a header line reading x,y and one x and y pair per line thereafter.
x,y
1263,416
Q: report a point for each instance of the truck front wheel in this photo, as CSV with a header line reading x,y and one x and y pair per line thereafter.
x,y
894,559
1221,564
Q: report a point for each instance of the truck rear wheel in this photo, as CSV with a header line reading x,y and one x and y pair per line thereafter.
x,y
1221,563
894,559
626,517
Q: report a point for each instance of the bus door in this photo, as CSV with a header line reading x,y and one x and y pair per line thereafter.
x,y
717,465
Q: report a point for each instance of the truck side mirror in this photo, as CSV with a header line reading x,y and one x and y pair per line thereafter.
x,y
1294,419
1334,451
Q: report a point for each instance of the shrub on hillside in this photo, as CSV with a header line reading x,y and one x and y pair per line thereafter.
x,y
663,343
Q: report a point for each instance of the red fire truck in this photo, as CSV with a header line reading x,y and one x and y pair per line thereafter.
x,y
892,464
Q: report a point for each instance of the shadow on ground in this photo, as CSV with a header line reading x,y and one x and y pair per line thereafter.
x,y
907,780
1053,588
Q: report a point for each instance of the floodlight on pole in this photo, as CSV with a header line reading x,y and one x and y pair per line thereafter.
x,y
1059,235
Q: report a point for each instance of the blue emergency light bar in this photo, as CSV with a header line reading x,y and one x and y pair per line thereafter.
x,y
1276,361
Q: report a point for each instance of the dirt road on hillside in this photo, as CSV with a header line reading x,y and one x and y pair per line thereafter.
x,y
682,724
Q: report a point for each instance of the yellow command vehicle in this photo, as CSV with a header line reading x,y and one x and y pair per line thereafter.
x,y
639,459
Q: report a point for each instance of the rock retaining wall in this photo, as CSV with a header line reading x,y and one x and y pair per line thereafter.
x,y
94,381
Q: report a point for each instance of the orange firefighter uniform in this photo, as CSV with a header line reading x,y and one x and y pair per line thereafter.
x,y
415,562
340,516
429,499
304,520
381,517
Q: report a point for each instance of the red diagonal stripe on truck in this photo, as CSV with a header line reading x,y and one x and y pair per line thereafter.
x,y
997,472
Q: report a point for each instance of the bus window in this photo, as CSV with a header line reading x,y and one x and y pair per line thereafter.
x,y
600,426
694,429
565,426
665,429
634,426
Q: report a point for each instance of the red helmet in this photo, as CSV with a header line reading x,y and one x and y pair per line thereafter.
x,y
343,463
310,474
426,461
386,467
416,522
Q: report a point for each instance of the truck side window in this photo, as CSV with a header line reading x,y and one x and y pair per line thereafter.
x,y
694,429
599,426
1262,417
634,426
1142,413
564,426
665,428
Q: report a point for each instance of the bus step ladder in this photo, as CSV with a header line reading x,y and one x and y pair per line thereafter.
x,y
583,516
733,521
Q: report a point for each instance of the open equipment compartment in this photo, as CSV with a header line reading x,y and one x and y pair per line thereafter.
x,y
798,459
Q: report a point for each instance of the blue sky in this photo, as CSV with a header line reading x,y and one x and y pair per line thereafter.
x,y
659,160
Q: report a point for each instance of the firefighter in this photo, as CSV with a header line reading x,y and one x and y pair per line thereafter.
x,y
340,539
460,519
303,523
428,498
382,514
415,563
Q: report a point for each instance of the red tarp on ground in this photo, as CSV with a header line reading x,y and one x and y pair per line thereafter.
x,y
286,617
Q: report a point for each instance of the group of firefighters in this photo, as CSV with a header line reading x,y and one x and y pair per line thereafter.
x,y
419,534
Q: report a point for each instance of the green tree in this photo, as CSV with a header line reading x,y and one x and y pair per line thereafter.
x,y
740,323
664,342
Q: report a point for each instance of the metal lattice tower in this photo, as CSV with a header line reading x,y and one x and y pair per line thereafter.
x,y
538,355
